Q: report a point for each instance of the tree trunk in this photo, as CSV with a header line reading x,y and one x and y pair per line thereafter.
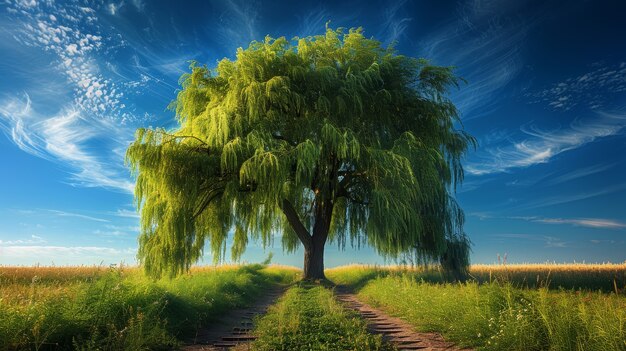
x,y
313,244
314,260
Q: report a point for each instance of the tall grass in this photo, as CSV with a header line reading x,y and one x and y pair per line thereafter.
x,y
497,315
309,318
606,277
119,309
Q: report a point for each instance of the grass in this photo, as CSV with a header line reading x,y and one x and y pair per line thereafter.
x,y
307,318
506,307
604,277
499,314
94,308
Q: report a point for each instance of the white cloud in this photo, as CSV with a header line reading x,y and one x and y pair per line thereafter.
x,y
548,241
394,22
237,23
602,223
38,252
313,22
77,215
72,34
579,173
34,239
65,138
581,222
126,213
591,89
540,146
566,198
72,49
112,8
26,3
485,43
15,118
585,222
139,5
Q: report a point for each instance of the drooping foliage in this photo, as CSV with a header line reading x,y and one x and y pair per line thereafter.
x,y
334,122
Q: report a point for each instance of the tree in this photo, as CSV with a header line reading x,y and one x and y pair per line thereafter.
x,y
325,138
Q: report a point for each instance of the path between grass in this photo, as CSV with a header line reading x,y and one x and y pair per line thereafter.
x,y
395,331
233,330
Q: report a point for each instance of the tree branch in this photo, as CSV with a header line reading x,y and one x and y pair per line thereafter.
x,y
206,202
296,223
174,137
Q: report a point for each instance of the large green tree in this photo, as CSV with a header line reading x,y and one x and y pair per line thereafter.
x,y
326,138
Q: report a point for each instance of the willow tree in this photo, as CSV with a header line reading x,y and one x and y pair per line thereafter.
x,y
330,138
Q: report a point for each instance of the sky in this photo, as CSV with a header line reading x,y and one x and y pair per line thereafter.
x,y
545,97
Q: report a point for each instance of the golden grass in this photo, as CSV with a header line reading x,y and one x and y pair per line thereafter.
x,y
597,276
67,274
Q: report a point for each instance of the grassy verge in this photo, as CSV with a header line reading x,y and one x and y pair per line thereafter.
x,y
309,318
497,315
120,309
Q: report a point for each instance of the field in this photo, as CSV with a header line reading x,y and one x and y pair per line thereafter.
x,y
97,308
525,307
503,309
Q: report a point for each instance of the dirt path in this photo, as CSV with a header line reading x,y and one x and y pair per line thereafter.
x,y
394,330
232,331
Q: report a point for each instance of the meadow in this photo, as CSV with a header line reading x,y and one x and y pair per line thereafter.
x,y
119,308
502,308
512,307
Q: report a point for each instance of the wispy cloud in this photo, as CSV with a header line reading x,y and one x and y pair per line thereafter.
x,y
37,252
76,215
591,89
567,198
581,222
34,239
73,129
602,223
484,42
126,213
551,241
313,22
540,146
595,241
579,173
65,138
394,22
71,34
237,24
548,241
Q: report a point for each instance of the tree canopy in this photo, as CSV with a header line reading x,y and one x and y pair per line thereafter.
x,y
326,138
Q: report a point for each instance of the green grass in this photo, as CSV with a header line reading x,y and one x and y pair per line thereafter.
x,y
496,315
96,308
308,318
120,309
605,277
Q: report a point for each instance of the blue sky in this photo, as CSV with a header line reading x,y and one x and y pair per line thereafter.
x,y
546,99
